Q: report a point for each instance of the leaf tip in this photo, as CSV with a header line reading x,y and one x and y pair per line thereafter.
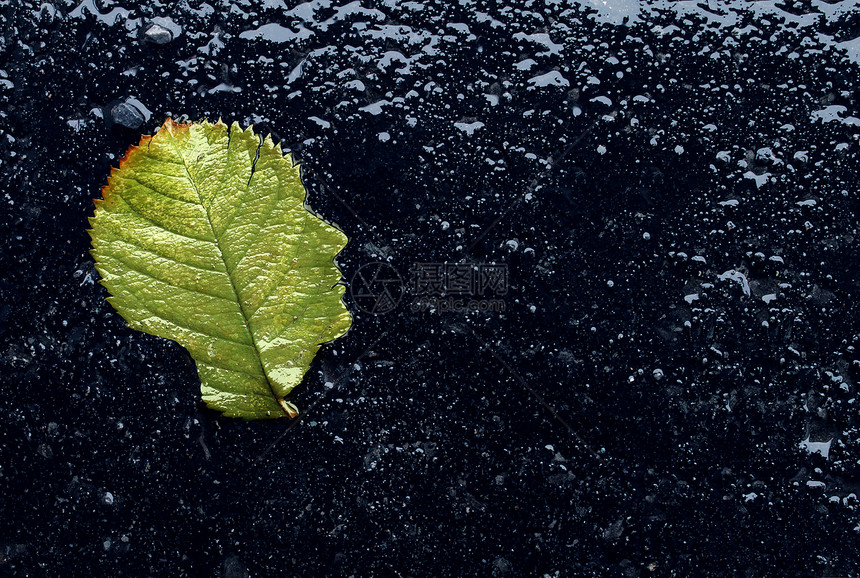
x,y
105,190
171,126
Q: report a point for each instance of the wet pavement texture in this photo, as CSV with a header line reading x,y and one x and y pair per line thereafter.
x,y
603,266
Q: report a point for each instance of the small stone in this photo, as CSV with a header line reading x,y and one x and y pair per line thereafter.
x,y
158,34
127,115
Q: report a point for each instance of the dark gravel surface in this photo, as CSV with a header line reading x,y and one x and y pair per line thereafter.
x,y
664,385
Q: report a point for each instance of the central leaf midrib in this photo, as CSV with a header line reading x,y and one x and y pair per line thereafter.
x,y
217,244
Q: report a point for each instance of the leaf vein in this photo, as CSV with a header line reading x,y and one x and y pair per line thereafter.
x,y
149,275
291,266
154,190
158,314
243,195
234,369
245,317
157,225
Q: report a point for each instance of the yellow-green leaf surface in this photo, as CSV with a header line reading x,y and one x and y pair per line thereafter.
x,y
203,237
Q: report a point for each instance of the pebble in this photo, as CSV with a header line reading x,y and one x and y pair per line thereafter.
x,y
158,34
127,115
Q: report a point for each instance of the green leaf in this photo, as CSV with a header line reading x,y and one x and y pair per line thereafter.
x,y
203,237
